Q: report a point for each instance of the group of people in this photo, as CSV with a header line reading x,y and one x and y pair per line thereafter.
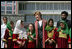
x,y
41,34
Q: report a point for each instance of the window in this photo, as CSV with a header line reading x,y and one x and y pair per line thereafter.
x,y
30,19
40,6
56,6
2,12
8,12
14,1
20,6
9,1
2,2
9,7
2,7
69,6
14,7
49,6
30,6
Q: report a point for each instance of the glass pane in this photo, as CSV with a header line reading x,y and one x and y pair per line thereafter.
x,y
2,12
2,7
9,7
30,19
9,12
14,7
49,6
29,6
2,2
9,1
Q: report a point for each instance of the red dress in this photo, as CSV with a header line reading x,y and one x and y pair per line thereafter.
x,y
51,36
15,39
62,40
8,39
31,42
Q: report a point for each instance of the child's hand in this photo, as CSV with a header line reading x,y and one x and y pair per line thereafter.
x,y
23,43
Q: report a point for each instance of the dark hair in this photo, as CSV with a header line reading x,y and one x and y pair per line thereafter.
x,y
50,20
32,25
11,22
21,21
38,13
33,28
4,17
64,12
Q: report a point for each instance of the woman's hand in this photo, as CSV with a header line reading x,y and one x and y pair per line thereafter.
x,y
31,36
50,41
46,40
23,43
19,42
69,45
56,46
5,45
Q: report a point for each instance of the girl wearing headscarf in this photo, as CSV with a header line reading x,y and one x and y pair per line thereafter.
x,y
31,36
3,28
19,35
50,34
8,35
62,40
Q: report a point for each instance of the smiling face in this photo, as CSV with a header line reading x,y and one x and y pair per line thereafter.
x,y
37,15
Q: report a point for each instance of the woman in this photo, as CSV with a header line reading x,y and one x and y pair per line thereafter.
x,y
50,34
62,40
8,35
3,28
19,35
31,36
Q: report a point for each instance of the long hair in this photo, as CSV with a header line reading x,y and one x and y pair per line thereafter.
x,y
50,20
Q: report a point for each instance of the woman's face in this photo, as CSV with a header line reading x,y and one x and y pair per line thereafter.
x,y
50,23
5,20
62,25
12,25
30,27
22,25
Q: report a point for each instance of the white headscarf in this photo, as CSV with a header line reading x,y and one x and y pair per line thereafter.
x,y
3,28
19,30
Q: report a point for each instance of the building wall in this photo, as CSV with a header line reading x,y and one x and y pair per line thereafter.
x,y
24,10
8,7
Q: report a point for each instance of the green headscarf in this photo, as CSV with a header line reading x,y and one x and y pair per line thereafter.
x,y
70,32
33,34
10,29
65,30
48,28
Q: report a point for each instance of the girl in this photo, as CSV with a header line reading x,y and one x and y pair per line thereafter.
x,y
50,34
19,35
31,36
62,34
8,35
